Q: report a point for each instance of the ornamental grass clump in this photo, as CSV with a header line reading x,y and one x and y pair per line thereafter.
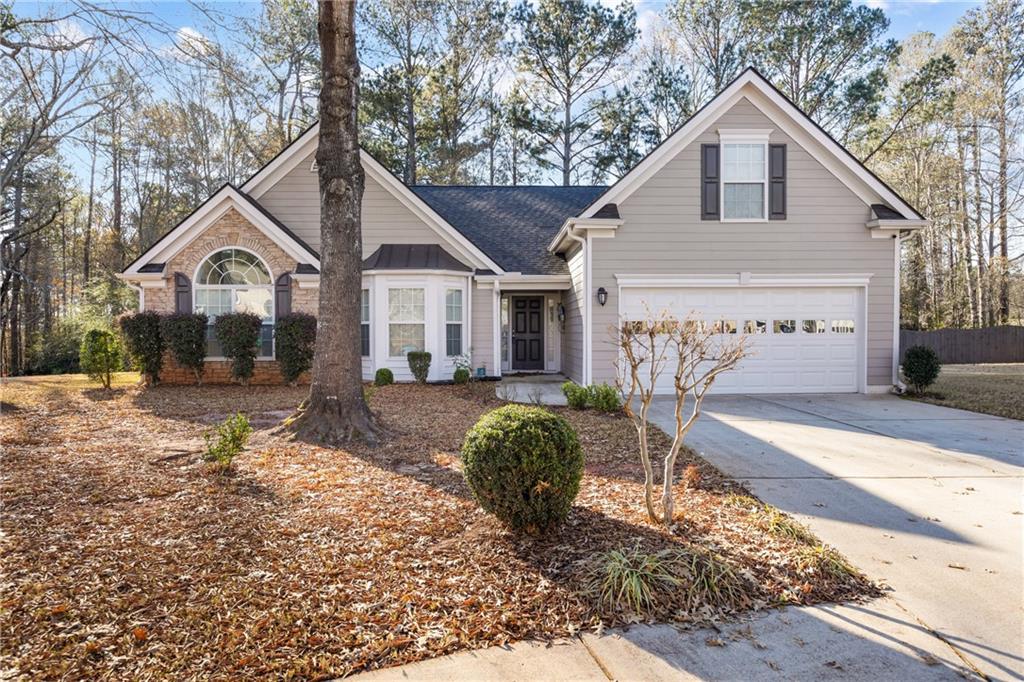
x,y
524,465
294,341
185,337
239,338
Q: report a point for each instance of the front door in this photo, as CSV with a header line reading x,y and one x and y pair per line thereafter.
x,y
528,332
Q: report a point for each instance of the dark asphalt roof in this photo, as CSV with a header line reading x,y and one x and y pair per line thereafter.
x,y
412,257
512,225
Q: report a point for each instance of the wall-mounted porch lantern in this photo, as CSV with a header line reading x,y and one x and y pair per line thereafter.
x,y
602,295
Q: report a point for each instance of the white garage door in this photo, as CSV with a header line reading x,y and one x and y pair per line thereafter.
x,y
802,340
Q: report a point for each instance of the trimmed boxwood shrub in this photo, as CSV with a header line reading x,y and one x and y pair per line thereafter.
x,y
603,397
100,355
185,337
383,377
239,338
921,367
523,464
419,364
575,395
295,337
144,342
461,376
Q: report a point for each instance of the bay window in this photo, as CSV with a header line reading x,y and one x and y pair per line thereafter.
x,y
453,322
406,321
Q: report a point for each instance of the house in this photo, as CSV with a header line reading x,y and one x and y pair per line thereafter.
x,y
749,215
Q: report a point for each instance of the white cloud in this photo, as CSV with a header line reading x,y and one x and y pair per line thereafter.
x,y
191,42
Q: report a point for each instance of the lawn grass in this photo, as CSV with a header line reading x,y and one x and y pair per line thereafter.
x,y
990,389
123,557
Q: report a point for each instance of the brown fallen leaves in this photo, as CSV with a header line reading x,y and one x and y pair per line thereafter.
x,y
122,556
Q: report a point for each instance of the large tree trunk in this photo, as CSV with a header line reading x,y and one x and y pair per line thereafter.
x,y
336,411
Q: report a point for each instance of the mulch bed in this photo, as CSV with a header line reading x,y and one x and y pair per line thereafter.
x,y
124,556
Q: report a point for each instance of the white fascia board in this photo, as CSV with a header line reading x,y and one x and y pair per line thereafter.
x,y
738,135
306,281
412,271
141,277
306,144
746,279
826,150
520,282
605,226
219,204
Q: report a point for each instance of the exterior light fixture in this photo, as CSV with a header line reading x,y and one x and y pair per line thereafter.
x,y
602,295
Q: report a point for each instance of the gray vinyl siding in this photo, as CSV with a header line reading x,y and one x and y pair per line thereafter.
x,y
295,201
481,339
572,336
824,233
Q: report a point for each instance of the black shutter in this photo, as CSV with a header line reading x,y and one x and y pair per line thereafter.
x,y
182,293
776,182
709,179
283,296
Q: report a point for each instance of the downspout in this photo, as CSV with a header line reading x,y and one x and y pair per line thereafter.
x,y
898,387
571,233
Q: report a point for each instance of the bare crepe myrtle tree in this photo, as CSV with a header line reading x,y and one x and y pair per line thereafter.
x,y
647,348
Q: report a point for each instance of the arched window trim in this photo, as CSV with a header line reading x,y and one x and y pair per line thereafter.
x,y
198,285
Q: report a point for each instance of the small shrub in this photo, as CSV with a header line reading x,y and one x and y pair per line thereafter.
x,y
185,337
575,395
100,355
461,376
295,339
603,397
419,364
383,377
921,367
523,464
239,338
144,342
692,476
227,441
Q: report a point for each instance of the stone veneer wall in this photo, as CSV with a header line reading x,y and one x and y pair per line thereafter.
x,y
232,229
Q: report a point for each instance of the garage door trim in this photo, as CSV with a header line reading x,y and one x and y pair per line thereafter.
x,y
764,280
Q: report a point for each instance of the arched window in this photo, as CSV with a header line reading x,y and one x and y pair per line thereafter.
x,y
234,280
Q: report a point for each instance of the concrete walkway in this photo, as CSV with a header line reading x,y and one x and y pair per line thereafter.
x,y
874,642
923,498
533,389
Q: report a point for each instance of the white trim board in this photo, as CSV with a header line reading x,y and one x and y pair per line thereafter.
x,y
793,122
745,279
226,198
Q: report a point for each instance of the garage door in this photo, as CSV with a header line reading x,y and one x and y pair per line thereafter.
x,y
803,340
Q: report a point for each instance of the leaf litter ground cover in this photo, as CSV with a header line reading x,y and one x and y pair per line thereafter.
x,y
124,556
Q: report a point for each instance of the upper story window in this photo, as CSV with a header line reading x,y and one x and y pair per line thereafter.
x,y
234,281
744,175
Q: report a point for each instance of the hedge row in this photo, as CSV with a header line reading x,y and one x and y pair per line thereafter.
x,y
148,334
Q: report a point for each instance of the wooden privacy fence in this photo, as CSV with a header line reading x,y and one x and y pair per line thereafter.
x,y
969,346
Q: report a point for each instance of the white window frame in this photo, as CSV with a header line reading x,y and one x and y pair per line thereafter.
x,y
736,137
196,287
461,321
422,322
368,322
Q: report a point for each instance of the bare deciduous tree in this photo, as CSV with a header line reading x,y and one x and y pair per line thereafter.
x,y
696,355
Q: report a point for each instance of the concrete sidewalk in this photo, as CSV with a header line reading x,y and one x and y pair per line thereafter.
x,y
877,641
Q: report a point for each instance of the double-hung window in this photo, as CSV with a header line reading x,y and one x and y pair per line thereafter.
x,y
744,177
453,322
364,324
406,321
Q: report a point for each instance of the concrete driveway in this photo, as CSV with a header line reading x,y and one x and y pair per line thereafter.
x,y
925,499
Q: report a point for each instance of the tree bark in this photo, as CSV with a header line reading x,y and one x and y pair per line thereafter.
x,y
336,411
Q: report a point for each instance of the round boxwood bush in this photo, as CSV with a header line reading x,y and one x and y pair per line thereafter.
x,y
383,377
461,376
523,464
921,367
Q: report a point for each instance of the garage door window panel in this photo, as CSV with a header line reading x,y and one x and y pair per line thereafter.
x,y
842,327
814,326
